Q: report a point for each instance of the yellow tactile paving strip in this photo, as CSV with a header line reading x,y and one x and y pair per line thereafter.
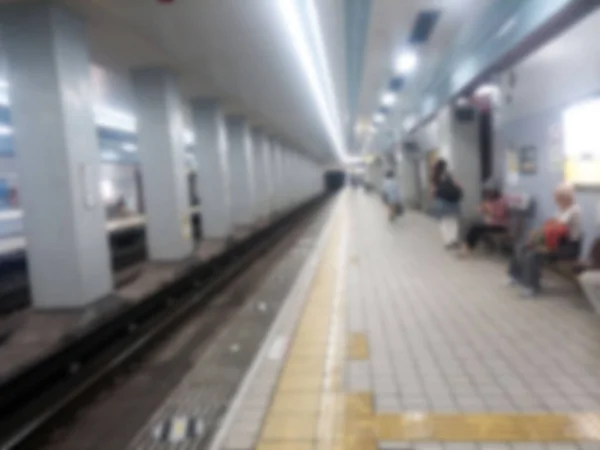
x,y
358,347
310,409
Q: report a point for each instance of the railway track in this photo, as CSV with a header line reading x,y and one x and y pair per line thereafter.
x,y
38,397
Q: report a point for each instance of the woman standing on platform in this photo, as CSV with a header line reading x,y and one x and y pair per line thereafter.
x,y
447,195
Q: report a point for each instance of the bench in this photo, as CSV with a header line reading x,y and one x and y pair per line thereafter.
x,y
500,242
571,270
567,269
520,210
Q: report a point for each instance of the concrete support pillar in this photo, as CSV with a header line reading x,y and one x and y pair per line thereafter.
x,y
241,162
459,145
408,172
305,179
161,141
279,197
262,173
212,152
375,173
287,176
297,167
293,159
269,181
299,180
57,154
272,175
316,185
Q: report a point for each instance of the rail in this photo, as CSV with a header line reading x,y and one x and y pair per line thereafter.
x,y
34,397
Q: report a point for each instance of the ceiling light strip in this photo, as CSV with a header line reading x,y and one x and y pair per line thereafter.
x,y
315,28
293,25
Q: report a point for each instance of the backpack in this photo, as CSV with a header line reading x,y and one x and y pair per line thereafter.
x,y
449,191
555,233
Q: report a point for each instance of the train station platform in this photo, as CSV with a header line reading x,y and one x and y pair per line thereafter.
x,y
387,341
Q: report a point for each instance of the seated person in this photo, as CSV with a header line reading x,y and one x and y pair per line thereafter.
x,y
494,212
558,239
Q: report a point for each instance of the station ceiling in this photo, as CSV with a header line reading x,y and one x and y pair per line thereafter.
x,y
237,50
393,25
241,51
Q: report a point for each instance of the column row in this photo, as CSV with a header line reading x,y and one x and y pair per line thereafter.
x,y
246,177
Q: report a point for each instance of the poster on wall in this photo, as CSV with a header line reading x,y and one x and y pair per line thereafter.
x,y
528,160
512,167
582,143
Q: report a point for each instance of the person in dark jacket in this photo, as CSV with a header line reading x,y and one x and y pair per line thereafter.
x,y
447,195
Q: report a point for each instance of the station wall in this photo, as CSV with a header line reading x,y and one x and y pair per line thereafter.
x,y
534,97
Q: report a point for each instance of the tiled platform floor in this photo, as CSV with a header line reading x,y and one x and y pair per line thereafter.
x,y
399,345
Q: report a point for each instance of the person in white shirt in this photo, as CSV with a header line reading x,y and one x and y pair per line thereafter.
x,y
391,195
526,266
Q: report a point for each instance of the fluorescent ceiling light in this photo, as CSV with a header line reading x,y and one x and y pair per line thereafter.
x,y
129,147
406,62
107,191
189,138
315,28
4,100
110,155
388,99
114,119
103,116
486,90
293,25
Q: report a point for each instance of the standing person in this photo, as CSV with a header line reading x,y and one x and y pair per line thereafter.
x,y
447,195
494,219
558,239
391,195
